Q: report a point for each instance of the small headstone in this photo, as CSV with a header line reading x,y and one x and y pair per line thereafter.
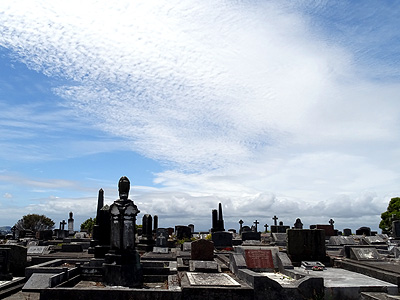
x,y
347,231
187,246
329,230
396,229
246,229
370,254
161,241
222,239
219,279
259,259
251,235
306,244
363,231
183,232
279,238
202,250
298,224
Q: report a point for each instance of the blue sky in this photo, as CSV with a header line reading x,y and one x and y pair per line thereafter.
x,y
286,108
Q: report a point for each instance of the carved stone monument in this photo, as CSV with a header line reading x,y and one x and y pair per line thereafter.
x,y
71,224
122,264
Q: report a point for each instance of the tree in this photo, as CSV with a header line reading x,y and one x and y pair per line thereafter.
x,y
88,225
393,210
35,223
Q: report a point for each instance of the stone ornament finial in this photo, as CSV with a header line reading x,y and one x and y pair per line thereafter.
x,y
123,187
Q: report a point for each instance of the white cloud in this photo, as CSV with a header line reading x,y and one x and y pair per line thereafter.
x,y
7,196
249,105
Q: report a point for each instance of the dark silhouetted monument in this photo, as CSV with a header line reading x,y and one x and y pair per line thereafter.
x,y
217,220
122,264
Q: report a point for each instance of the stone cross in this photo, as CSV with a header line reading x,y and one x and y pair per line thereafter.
x,y
266,227
62,225
255,223
241,225
275,218
331,222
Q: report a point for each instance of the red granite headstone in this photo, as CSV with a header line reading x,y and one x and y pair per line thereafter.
x,y
329,230
259,259
202,250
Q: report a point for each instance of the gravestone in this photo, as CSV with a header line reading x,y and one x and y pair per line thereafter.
x,y
347,231
44,235
306,244
32,243
222,239
187,246
217,219
155,222
259,260
146,241
122,265
183,232
298,224
71,224
246,229
204,266
396,229
373,240
279,238
364,254
191,226
161,241
363,231
202,250
251,235
313,265
5,265
17,259
241,226
329,230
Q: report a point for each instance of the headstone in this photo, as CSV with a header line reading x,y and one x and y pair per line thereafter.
x,y
161,241
298,224
246,229
122,264
155,220
396,229
191,226
32,243
202,250
275,218
373,240
266,227
217,220
329,230
347,231
255,225
222,239
279,238
368,254
183,232
259,260
187,246
17,259
306,244
163,250
363,231
279,228
5,265
71,224
71,248
251,235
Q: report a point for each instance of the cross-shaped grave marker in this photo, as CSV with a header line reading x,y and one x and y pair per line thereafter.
x,y
275,218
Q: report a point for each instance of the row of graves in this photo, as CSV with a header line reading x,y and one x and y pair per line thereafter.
x,y
122,261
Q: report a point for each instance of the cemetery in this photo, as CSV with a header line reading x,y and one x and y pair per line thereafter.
x,y
121,260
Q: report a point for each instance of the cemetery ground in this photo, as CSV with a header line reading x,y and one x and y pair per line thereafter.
x,y
123,261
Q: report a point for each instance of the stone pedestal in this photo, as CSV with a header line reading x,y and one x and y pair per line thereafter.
x,y
123,269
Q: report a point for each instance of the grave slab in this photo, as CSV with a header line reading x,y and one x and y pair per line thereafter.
x,y
37,282
370,254
214,280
